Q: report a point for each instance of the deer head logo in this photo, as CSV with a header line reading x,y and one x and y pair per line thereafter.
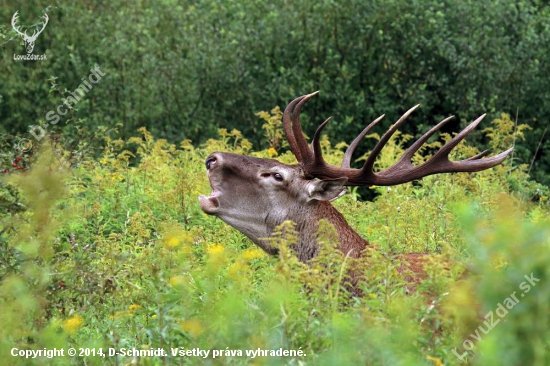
x,y
29,40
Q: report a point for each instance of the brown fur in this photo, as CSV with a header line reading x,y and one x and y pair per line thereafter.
x,y
255,195
248,199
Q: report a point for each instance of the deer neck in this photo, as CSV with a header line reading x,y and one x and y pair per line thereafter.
x,y
307,225
351,243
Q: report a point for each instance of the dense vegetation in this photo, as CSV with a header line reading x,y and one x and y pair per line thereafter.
x,y
109,254
102,241
182,69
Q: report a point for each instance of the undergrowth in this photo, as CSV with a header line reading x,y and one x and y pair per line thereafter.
x,y
115,253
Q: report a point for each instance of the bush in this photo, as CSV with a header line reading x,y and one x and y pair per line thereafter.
x,y
185,69
115,253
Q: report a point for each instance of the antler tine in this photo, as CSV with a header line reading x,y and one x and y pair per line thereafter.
x,y
446,149
477,156
14,18
403,171
301,143
351,148
36,33
287,126
293,130
369,164
418,143
46,19
316,144
475,164
14,22
441,162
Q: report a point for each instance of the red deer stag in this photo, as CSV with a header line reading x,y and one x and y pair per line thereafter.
x,y
255,195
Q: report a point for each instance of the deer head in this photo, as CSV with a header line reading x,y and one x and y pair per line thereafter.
x,y
29,40
255,195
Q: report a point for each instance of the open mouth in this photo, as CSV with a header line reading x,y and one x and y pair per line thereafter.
x,y
210,204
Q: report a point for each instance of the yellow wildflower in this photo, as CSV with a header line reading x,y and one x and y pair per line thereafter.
x,y
116,176
235,268
72,324
216,249
134,307
192,326
272,152
172,242
435,360
252,253
176,281
119,314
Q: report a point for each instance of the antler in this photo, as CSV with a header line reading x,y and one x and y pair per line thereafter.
x,y
35,34
14,22
29,40
403,171
24,34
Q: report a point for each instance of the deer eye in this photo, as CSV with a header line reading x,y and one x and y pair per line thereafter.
x,y
278,177
210,162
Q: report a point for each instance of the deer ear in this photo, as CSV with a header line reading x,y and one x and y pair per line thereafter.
x,y
326,190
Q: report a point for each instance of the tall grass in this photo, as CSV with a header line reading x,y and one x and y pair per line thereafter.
x,y
115,253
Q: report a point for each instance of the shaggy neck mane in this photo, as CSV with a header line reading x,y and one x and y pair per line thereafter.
x,y
308,224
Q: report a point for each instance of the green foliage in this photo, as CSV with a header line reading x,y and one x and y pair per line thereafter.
x,y
115,252
185,69
273,127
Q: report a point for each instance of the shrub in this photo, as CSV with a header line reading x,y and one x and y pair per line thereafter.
x,y
114,252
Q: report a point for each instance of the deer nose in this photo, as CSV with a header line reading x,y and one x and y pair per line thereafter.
x,y
210,162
